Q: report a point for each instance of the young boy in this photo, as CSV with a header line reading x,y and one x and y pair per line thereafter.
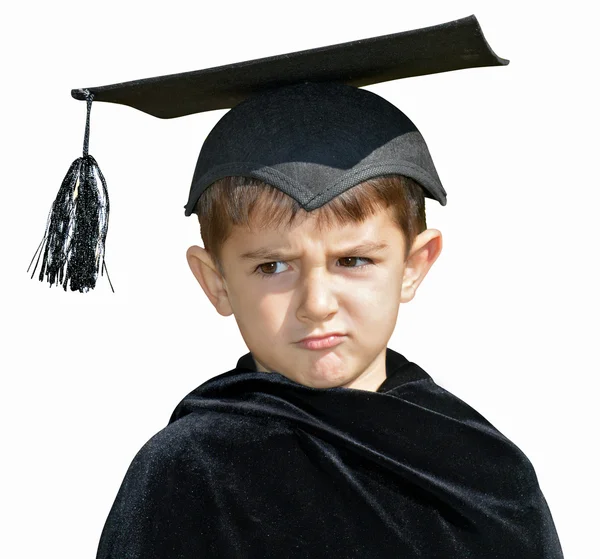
x,y
322,442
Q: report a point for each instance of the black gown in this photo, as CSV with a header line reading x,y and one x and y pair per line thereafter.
x,y
255,465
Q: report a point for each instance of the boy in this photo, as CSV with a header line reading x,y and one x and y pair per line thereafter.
x,y
336,446
322,442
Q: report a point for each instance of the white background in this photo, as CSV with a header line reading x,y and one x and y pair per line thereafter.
x,y
506,320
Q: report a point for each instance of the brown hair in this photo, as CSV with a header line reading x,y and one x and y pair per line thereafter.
x,y
249,202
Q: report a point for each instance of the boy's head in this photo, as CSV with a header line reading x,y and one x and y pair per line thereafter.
x,y
309,280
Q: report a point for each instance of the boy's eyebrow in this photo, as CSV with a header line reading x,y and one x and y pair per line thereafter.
x,y
267,253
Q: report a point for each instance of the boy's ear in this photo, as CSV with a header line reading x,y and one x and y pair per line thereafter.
x,y
214,285
423,253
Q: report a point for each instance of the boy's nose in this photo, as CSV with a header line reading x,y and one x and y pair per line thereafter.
x,y
317,296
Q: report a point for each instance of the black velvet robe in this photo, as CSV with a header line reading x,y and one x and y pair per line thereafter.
x,y
253,464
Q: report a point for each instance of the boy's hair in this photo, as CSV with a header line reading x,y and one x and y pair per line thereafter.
x,y
249,202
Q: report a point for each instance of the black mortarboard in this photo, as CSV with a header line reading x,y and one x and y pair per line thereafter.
x,y
298,122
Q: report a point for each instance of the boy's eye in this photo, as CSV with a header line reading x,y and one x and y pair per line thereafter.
x,y
268,268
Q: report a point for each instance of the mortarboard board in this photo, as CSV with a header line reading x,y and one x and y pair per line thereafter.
x,y
298,121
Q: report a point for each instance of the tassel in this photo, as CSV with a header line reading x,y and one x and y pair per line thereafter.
x,y
75,238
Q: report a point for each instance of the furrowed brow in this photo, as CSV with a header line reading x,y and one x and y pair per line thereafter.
x,y
267,253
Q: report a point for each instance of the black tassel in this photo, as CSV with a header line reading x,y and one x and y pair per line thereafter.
x,y
77,225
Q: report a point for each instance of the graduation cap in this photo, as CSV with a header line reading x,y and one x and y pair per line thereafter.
x,y
298,122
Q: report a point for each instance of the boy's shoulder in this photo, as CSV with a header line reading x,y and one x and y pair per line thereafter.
x,y
191,436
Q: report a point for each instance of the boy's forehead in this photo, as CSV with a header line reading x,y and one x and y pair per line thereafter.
x,y
378,229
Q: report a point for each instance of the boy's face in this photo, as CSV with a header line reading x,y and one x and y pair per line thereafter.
x,y
314,282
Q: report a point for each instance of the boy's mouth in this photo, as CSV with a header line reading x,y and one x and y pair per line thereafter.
x,y
322,342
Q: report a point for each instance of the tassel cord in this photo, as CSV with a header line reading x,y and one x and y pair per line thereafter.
x,y
105,224
107,276
86,136
51,226
38,249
